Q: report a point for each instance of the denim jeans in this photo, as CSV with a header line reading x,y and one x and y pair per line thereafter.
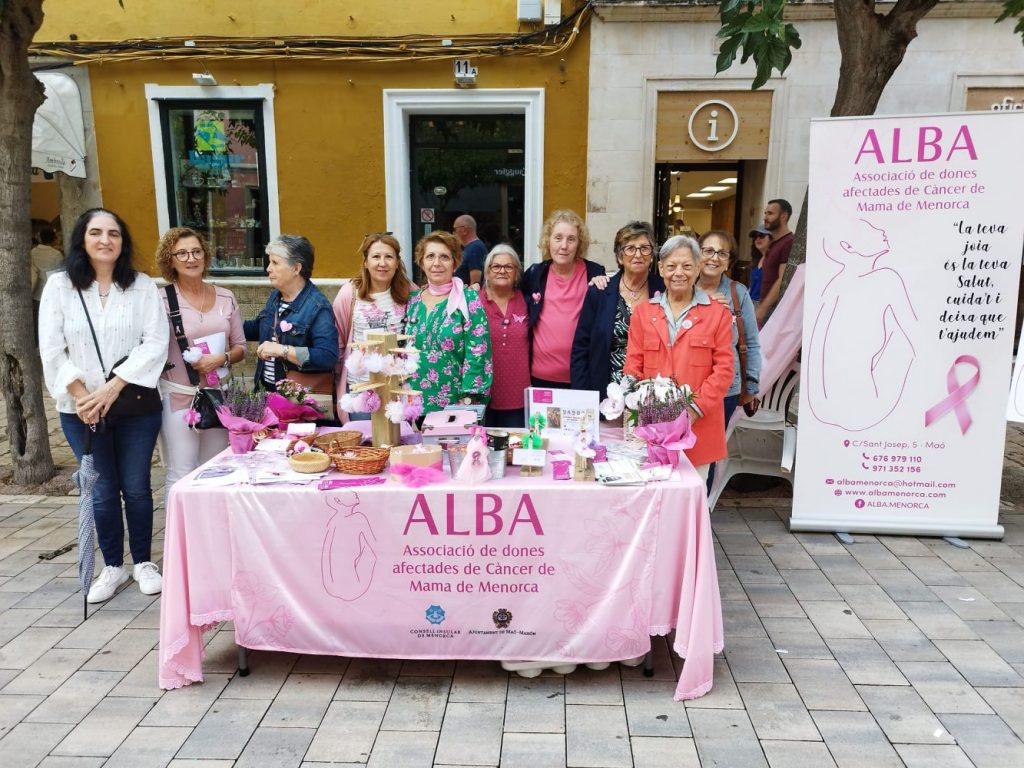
x,y
122,456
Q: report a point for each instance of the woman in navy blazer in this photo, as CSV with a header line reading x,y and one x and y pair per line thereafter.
x,y
599,346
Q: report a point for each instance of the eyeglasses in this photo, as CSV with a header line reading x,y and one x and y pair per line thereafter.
x,y
632,250
430,258
503,267
196,253
709,253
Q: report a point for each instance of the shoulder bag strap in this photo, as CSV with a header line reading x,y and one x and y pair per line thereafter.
x,y
95,341
741,344
179,331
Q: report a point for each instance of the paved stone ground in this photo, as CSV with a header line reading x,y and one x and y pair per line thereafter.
x,y
892,651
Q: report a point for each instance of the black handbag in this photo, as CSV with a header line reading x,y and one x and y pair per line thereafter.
x,y
206,399
134,400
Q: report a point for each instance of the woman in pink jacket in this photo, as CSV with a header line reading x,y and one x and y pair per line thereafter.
x,y
685,335
375,299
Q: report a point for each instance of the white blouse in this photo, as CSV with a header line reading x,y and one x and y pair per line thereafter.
x,y
132,324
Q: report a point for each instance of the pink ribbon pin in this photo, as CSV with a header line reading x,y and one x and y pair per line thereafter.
x,y
956,400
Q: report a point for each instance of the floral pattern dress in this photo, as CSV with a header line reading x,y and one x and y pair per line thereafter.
x,y
455,352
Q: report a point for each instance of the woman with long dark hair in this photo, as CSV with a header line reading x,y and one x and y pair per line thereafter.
x,y
102,326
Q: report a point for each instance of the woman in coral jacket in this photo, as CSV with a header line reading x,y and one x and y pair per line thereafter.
x,y
685,335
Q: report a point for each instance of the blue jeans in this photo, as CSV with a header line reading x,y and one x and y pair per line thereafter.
x,y
728,405
122,456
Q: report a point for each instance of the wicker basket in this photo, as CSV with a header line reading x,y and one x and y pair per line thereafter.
x,y
329,442
309,463
360,461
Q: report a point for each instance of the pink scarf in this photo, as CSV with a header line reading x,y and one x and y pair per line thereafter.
x,y
455,291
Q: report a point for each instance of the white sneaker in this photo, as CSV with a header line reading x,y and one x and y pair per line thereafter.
x,y
148,577
110,578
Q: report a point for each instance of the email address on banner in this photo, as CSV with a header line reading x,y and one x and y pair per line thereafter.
x,y
897,483
907,488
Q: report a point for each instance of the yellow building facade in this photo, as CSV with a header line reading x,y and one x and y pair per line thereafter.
x,y
331,120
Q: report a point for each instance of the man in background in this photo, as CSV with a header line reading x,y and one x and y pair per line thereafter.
x,y
776,221
474,251
45,259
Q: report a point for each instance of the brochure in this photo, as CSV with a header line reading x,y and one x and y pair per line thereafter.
x,y
618,472
566,412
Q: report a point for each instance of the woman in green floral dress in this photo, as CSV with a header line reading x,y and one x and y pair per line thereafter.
x,y
449,326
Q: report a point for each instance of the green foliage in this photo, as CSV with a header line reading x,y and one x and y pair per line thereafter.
x,y
757,30
1013,9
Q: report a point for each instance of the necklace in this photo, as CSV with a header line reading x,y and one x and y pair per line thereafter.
x,y
202,301
634,295
104,295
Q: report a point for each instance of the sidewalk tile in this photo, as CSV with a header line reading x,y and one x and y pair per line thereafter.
x,y
934,572
105,727
937,621
810,585
97,631
797,754
774,601
587,686
76,698
903,586
302,701
843,569
777,712
49,671
276,748
725,737
739,619
28,646
149,747
1008,704
869,601
29,743
368,680
1004,637
986,740
596,735
969,604
754,660
942,687
855,740
347,732
834,620
922,756
651,711
798,638
755,569
535,705
224,730
403,749
533,750
663,752
902,640
903,715
417,704
479,681
723,694
125,650
14,709
874,556
187,706
471,734
865,663
268,671
979,664
823,684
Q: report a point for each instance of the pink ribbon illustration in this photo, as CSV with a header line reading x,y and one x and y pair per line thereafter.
x,y
956,400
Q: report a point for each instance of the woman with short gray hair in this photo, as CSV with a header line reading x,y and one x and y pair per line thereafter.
x,y
295,329
508,323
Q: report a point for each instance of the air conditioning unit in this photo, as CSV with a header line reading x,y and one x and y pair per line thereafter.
x,y
529,10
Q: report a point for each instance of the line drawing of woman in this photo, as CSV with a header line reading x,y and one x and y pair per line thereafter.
x,y
860,352
348,559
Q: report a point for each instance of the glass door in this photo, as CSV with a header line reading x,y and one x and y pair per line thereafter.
x,y
468,164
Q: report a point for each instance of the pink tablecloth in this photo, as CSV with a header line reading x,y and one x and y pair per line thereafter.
x,y
522,568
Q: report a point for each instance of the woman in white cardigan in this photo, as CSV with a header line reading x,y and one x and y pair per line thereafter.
x,y
100,285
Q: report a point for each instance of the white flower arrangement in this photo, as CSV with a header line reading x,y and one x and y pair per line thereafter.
x,y
646,401
403,363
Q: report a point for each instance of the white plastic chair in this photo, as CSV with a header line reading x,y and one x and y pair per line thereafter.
x,y
762,444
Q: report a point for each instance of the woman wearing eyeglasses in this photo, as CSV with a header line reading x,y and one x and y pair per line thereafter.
x,y
717,248
599,345
373,300
508,322
183,258
449,326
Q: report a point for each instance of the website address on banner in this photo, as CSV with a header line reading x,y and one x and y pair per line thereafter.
x,y
897,483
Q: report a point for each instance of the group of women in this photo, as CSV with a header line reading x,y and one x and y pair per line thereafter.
x,y
559,324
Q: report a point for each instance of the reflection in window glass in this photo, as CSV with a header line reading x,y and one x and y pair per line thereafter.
x,y
215,178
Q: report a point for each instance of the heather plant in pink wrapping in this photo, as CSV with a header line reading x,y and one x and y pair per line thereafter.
x,y
244,413
293,402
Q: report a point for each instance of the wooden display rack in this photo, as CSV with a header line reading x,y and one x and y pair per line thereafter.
x,y
386,433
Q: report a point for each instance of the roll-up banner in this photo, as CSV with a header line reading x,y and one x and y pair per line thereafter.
x,y
913,258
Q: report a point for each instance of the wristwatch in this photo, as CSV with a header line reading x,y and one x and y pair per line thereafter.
x,y
467,400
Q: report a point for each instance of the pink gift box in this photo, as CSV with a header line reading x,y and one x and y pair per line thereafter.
x,y
449,424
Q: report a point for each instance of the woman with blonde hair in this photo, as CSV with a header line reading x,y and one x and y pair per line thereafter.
x,y
554,290
183,258
375,299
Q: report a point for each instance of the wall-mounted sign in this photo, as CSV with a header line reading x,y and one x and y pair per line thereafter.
x,y
709,125
718,125
995,99
426,215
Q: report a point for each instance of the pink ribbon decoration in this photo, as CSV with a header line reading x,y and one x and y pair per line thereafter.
x,y
666,439
417,476
956,400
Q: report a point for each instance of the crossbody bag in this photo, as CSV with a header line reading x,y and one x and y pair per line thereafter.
x,y
206,399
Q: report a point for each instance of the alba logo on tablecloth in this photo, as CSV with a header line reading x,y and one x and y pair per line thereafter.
x,y
435,614
502,618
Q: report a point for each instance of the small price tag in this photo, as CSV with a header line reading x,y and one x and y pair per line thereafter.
x,y
529,457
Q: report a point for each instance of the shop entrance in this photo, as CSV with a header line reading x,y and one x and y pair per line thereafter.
x,y
468,164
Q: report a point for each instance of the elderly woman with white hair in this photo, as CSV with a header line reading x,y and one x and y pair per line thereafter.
x,y
295,329
685,335
508,322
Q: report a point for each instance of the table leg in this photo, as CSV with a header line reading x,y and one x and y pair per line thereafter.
x,y
649,664
243,661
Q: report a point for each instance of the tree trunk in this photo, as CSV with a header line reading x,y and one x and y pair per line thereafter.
x,y
21,372
872,47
